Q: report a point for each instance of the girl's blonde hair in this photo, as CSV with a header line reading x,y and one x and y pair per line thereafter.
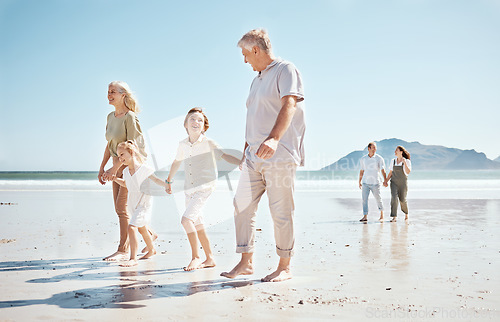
x,y
132,148
129,99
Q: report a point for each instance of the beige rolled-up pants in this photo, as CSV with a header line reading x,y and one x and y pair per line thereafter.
x,y
278,180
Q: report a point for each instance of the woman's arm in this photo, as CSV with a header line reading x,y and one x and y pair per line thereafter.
x,y
173,170
406,168
105,160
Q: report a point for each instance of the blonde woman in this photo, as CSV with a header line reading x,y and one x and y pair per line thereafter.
x,y
122,125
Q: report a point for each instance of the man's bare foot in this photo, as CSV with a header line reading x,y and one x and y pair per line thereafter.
x,y
393,219
364,218
117,256
194,264
149,254
209,262
281,274
381,218
130,263
243,268
154,237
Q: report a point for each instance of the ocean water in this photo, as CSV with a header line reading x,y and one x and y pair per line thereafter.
x,y
422,184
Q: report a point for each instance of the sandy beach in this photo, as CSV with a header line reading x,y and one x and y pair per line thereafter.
x,y
442,265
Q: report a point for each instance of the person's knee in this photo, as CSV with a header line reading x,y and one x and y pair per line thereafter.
x,y
187,223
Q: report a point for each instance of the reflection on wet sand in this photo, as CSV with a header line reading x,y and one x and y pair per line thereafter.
x,y
370,248
399,246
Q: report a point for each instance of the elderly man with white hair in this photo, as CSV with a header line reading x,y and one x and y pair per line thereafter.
x,y
274,147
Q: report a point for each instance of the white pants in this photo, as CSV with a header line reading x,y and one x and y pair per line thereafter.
x,y
278,181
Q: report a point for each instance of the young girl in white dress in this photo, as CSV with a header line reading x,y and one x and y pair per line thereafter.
x,y
139,203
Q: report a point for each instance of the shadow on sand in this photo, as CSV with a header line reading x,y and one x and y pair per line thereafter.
x,y
120,295
123,296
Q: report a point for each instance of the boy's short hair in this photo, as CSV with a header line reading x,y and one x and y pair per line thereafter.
x,y
197,110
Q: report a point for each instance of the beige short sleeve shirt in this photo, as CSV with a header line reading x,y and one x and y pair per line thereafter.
x,y
121,129
279,79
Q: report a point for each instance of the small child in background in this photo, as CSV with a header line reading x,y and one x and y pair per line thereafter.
x,y
198,154
139,203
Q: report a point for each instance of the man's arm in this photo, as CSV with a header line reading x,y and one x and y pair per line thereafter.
x,y
384,174
361,172
387,179
285,116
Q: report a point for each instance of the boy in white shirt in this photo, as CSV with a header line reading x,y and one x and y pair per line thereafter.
x,y
198,154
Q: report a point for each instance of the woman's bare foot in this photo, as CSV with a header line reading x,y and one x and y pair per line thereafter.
x,y
281,274
209,262
393,219
243,268
149,254
154,237
130,263
194,264
117,256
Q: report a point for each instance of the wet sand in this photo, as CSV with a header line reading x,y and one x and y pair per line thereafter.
x,y
441,265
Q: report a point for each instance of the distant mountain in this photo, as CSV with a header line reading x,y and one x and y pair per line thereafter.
x,y
497,159
423,157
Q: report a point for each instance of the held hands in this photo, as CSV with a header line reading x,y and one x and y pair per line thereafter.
x,y
168,189
267,149
385,183
108,175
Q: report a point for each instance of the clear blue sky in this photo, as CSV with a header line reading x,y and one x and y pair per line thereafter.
x,y
425,70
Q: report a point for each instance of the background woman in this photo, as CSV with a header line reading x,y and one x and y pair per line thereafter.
x,y
399,169
122,125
